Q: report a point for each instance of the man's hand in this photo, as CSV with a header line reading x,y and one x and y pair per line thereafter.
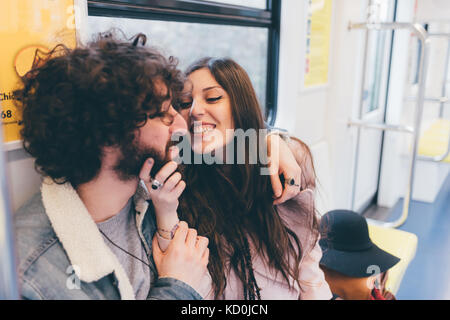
x,y
185,259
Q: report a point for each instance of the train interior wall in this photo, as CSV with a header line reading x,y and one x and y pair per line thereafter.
x,y
318,116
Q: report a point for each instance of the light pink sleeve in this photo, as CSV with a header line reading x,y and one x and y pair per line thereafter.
x,y
312,280
297,213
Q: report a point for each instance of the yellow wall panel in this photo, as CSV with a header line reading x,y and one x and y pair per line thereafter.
x,y
318,31
26,25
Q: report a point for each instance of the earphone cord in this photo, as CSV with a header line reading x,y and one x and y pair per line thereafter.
x,y
147,264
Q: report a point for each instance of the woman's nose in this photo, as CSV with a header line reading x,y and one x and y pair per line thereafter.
x,y
197,110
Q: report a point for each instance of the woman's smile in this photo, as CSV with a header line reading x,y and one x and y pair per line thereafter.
x,y
209,112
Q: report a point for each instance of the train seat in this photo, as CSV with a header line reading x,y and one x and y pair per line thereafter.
x,y
400,243
429,175
434,141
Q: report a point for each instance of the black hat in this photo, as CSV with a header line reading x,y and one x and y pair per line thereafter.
x,y
347,247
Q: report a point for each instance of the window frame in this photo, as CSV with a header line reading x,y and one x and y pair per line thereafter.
x,y
196,11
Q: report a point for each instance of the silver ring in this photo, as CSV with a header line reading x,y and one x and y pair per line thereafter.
x,y
291,182
156,184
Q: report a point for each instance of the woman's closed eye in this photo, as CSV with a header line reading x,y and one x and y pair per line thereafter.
x,y
213,99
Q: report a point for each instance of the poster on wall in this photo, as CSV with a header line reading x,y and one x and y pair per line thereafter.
x,y
27,26
318,31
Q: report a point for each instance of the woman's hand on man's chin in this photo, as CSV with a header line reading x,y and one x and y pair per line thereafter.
x,y
164,190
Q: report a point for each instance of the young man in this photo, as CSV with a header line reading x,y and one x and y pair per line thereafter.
x,y
92,116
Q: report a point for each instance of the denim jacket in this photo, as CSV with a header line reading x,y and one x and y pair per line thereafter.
x,y
62,255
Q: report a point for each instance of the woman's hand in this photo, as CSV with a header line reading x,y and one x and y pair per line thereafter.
x,y
283,162
165,198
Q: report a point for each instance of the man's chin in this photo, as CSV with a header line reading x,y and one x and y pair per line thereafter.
x,y
129,166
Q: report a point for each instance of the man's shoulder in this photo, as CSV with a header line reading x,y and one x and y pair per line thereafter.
x,y
44,269
31,220
42,262
33,232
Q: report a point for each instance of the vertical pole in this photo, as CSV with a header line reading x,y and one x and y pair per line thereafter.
x,y
272,62
423,36
444,81
8,277
360,113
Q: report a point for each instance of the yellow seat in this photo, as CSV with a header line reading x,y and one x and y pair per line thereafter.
x,y
434,141
401,244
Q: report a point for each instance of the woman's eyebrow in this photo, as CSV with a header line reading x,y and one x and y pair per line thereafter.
x,y
209,88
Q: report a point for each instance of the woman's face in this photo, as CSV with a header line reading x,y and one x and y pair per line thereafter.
x,y
209,116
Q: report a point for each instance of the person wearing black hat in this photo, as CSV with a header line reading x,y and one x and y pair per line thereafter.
x,y
353,265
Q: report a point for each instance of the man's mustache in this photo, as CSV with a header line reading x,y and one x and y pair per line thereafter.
x,y
159,164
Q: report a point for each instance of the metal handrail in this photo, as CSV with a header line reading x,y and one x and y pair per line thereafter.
x,y
379,126
422,35
444,100
439,35
8,274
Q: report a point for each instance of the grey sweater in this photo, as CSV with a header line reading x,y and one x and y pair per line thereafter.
x,y
122,230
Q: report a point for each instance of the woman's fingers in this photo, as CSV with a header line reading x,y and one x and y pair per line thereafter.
x,y
166,171
172,181
173,153
179,188
165,174
292,186
290,191
277,187
144,174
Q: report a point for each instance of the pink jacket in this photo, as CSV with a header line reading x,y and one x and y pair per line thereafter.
x,y
273,286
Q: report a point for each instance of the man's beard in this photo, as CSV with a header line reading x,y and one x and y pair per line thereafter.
x,y
133,157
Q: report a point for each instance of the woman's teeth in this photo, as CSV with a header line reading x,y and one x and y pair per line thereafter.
x,y
203,129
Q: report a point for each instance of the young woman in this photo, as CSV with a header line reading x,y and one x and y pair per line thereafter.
x,y
258,249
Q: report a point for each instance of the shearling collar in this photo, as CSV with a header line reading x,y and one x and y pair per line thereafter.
x,y
91,257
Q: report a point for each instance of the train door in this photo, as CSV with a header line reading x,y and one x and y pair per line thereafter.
x,y
375,80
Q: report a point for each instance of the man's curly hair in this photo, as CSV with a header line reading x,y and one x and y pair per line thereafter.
x,y
75,102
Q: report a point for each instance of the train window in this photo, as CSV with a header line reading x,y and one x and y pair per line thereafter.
x,y
191,41
190,30
378,55
259,4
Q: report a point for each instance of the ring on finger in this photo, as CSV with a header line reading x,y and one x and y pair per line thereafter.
x,y
291,182
156,184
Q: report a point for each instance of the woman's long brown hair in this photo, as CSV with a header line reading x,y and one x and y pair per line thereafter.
x,y
231,204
